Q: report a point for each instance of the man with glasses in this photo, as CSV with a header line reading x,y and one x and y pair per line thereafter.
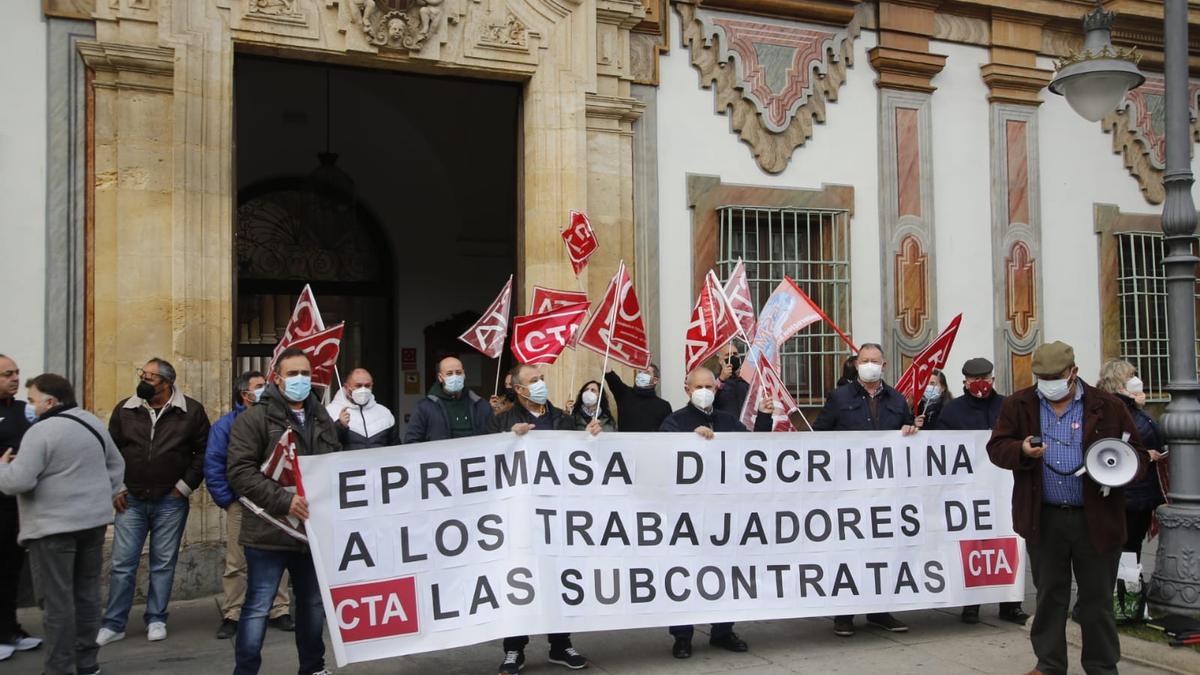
x,y
247,389
15,418
162,435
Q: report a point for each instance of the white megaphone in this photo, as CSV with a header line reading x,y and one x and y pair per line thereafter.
x,y
1111,462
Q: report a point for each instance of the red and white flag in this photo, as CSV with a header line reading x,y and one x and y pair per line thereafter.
x,y
540,338
712,325
281,467
580,239
737,292
933,357
305,321
322,348
488,333
767,382
546,299
616,324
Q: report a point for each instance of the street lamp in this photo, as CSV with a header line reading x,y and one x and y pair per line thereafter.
x,y
1175,586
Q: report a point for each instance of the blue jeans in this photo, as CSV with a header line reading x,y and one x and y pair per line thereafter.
x,y
263,571
163,519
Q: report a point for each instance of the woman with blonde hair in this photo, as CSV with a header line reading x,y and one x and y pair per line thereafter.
x,y
1119,378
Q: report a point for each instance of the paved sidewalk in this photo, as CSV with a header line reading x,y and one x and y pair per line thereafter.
x,y
937,643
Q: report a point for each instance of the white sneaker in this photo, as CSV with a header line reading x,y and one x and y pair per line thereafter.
x,y
26,642
156,631
6,651
325,671
108,636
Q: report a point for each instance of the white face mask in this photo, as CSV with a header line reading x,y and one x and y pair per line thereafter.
x,y
1054,390
454,383
1134,385
870,372
590,398
361,396
642,380
703,398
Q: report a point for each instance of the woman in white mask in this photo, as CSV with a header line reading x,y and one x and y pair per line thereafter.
x,y
591,406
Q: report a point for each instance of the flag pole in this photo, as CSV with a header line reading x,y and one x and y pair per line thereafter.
x,y
503,340
612,320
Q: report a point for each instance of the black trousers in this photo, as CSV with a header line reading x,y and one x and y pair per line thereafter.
x,y
12,558
1137,524
558,641
66,579
1066,547
716,630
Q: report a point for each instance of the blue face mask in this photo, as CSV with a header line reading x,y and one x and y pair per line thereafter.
x,y
297,387
932,391
642,380
539,392
30,413
454,383
258,394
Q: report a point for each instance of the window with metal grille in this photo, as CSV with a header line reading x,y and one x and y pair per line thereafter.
x,y
1142,301
812,246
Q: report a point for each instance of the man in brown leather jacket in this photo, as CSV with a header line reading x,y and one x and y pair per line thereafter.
x,y
1066,522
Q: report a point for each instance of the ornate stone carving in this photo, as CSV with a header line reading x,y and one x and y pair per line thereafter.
x,y
911,286
400,24
273,8
772,79
511,33
1019,290
1138,126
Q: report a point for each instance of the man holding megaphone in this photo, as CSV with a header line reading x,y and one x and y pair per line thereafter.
x,y
1068,519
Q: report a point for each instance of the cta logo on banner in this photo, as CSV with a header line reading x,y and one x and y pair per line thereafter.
x,y
376,610
540,338
625,339
580,239
488,333
990,562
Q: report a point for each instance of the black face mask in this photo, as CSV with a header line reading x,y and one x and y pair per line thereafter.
x,y
145,390
510,394
735,362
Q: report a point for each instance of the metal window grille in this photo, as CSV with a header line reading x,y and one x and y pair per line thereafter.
x,y
812,246
1142,302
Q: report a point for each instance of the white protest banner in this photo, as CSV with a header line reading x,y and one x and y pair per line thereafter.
x,y
445,544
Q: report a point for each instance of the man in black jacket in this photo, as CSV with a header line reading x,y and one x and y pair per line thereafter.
x,y
639,407
979,408
701,416
14,420
450,410
286,403
532,411
162,435
867,404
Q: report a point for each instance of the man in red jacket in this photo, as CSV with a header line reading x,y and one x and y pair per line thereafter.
x,y
1041,436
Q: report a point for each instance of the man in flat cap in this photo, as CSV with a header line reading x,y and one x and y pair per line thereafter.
x,y
1067,523
978,408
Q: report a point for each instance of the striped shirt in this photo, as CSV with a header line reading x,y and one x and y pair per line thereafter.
x,y
1063,439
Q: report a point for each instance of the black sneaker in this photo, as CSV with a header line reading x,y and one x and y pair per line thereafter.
x,y
514,661
94,671
227,630
283,622
682,649
843,626
1014,615
888,622
970,614
729,641
568,657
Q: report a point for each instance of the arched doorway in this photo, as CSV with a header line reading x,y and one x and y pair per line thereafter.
x,y
311,229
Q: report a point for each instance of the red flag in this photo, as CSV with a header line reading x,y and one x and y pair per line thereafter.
x,y
540,338
712,325
580,240
488,333
618,316
737,292
322,349
546,299
933,357
305,320
767,382
282,468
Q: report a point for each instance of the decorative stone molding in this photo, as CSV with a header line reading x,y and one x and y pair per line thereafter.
x,y
773,79
906,223
1015,84
1016,242
1138,130
902,59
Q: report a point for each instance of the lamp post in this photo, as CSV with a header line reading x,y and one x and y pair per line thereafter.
x,y
1175,586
